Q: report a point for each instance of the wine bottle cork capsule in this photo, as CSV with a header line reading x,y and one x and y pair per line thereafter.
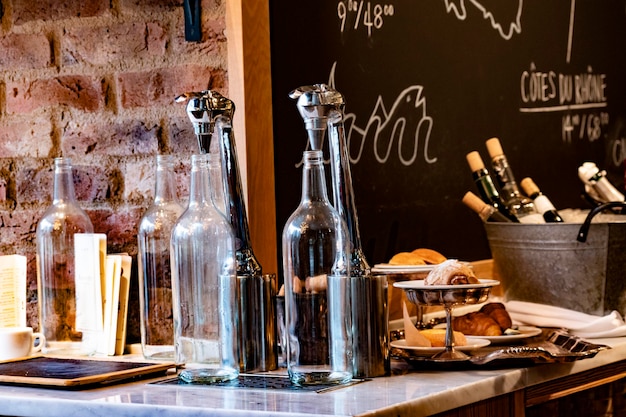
x,y
529,186
474,161
474,202
494,147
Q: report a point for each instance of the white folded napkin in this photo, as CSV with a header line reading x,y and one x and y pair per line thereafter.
x,y
580,324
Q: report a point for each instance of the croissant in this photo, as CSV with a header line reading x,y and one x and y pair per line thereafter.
x,y
498,312
451,272
477,323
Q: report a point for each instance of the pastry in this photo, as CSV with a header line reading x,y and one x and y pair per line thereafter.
x,y
406,258
437,337
498,312
430,256
451,272
477,323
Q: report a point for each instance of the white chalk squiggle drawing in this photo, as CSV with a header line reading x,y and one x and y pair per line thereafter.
x,y
506,30
405,123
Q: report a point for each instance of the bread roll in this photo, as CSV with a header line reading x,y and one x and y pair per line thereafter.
x,y
406,258
437,337
476,324
451,272
430,256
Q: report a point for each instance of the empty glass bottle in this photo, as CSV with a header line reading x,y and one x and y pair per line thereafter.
x,y
153,257
56,283
204,285
316,267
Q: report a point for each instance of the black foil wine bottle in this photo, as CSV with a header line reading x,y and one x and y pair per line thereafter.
x,y
486,188
516,202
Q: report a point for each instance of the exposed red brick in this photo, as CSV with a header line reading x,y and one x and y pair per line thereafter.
x,y
143,5
36,184
33,139
139,180
120,226
213,39
121,42
18,227
161,86
132,44
93,182
25,51
48,10
182,137
127,137
77,91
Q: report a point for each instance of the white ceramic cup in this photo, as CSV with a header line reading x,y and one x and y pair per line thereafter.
x,y
18,342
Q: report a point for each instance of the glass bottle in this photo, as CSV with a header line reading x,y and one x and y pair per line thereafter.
x,y
153,258
211,115
517,203
542,202
56,278
486,188
316,267
486,212
204,285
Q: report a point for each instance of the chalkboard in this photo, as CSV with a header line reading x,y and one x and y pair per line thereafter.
x,y
427,81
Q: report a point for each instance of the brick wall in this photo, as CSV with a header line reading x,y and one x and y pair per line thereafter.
x,y
95,81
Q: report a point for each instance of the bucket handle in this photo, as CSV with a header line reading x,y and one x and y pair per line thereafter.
x,y
584,229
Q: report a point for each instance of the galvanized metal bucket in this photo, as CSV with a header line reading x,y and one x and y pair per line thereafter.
x,y
579,266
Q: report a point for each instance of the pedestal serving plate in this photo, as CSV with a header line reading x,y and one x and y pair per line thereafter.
x,y
447,296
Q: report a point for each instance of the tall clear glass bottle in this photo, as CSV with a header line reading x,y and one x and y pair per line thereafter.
x,y
153,258
316,267
56,283
204,285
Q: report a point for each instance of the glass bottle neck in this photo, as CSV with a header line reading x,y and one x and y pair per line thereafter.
x,y
200,188
313,179
165,189
63,181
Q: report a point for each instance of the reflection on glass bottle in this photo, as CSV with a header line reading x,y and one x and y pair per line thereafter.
x,y
204,286
316,266
153,257
55,264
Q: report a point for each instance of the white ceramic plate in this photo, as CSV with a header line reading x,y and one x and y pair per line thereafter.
x,y
418,284
525,333
472,343
399,269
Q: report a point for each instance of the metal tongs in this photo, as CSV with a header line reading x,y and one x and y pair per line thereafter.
x,y
558,347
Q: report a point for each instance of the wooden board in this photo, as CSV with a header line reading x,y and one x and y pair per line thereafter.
x,y
72,372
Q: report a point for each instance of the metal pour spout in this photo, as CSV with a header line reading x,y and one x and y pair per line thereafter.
x,y
315,103
203,108
321,107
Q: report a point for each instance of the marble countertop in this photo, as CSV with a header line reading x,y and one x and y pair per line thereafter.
x,y
416,393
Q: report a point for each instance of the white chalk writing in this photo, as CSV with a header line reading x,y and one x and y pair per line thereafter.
x,y
354,14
